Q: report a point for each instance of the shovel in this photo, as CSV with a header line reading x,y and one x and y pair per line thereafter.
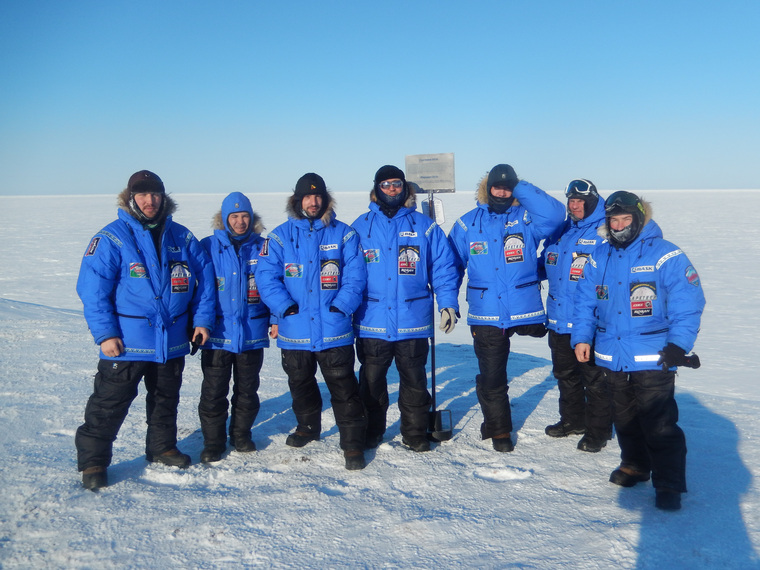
x,y
439,422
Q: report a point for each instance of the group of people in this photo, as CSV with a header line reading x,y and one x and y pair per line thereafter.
x,y
623,310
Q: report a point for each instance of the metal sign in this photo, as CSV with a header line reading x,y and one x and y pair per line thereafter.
x,y
432,172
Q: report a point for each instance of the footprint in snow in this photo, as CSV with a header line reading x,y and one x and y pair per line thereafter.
x,y
501,474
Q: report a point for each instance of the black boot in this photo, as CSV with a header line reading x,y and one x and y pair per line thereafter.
x,y
172,458
503,443
354,460
211,454
628,477
416,443
244,444
591,444
300,438
94,478
563,429
667,499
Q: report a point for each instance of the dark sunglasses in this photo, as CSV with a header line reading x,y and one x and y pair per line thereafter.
x,y
396,184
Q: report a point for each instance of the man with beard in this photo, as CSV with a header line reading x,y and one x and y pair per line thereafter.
x,y
311,274
145,281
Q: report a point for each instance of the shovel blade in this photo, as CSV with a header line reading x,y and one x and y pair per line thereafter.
x,y
440,427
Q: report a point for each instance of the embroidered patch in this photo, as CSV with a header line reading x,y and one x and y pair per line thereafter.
x,y
264,248
93,246
602,293
577,266
642,299
642,268
328,247
372,256
293,270
180,277
220,283
586,242
514,245
692,276
253,291
174,249
138,270
408,257
328,275
407,234
551,258
479,248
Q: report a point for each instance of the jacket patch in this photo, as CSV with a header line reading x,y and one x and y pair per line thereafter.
x,y
514,246
220,283
642,268
577,266
408,257
93,246
293,270
692,276
138,270
174,249
407,234
180,277
586,242
642,299
478,248
264,248
328,247
602,293
372,256
551,258
253,291
328,275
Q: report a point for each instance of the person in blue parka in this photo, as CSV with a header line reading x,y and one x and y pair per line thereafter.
x,y
497,244
147,287
584,399
640,305
235,348
311,274
408,257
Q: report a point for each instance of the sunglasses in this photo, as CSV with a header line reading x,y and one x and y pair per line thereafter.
x,y
396,184
582,187
623,200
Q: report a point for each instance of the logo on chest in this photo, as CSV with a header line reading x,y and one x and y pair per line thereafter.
x,y
643,296
514,248
408,258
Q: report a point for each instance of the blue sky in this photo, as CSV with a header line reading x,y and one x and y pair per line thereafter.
x,y
246,95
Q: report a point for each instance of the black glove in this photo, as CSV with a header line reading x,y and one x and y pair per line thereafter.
x,y
292,310
672,355
538,330
334,309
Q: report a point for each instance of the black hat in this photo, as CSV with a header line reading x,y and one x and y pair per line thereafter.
x,y
502,175
145,181
622,202
389,172
310,183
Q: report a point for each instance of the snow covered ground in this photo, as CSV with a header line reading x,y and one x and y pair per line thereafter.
x,y
545,505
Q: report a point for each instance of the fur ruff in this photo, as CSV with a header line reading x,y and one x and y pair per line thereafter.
x,y
482,192
123,202
293,209
257,225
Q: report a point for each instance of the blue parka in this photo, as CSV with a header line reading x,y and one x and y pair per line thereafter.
x,y
500,254
316,264
150,303
404,254
636,300
563,262
242,318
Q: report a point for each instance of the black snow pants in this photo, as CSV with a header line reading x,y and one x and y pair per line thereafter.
x,y
115,388
645,413
376,356
584,395
218,367
337,367
492,351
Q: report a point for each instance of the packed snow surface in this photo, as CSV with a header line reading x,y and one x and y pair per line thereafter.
x,y
546,505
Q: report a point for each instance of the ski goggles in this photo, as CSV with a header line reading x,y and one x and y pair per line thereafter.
x,y
622,200
395,183
582,187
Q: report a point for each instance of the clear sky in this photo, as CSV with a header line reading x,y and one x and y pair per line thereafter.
x,y
218,96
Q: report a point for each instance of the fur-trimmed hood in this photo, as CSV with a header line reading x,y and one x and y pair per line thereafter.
x,y
123,202
293,209
604,232
482,192
257,225
411,197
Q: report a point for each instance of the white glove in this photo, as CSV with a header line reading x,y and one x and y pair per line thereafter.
x,y
448,320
